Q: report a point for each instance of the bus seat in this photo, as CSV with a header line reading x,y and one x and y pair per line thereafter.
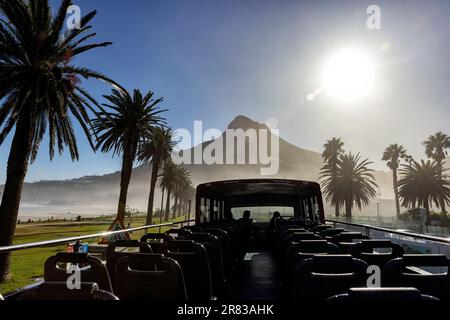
x,y
330,232
212,246
396,274
305,249
193,259
322,276
147,276
113,256
178,233
321,227
366,250
225,245
150,237
91,269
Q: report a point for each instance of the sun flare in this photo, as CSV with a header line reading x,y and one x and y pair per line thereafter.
x,y
348,75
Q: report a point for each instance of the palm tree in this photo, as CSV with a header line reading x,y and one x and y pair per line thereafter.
x,y
422,184
155,150
393,155
355,183
40,89
166,182
333,149
181,182
121,131
436,148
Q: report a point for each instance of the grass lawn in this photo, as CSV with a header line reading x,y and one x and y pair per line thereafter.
x,y
28,265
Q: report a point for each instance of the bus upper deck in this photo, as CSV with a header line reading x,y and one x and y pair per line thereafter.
x,y
239,250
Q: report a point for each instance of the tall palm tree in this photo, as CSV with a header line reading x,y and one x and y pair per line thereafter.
x,y
132,118
436,148
423,184
181,182
40,89
333,149
155,150
393,155
166,182
354,183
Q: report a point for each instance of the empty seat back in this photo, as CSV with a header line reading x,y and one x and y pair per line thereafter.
x,y
121,248
406,294
330,232
321,227
91,269
156,237
60,291
288,231
346,240
397,274
298,251
147,276
296,237
322,276
194,263
157,241
212,246
367,251
178,233
225,245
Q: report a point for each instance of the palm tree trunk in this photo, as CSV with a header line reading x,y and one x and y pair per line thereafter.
x,y
181,206
125,177
395,184
151,196
348,208
336,210
17,168
167,213
441,198
175,207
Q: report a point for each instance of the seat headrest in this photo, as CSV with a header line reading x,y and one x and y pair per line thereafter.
x,y
181,245
145,261
163,236
143,246
310,245
201,236
426,260
75,257
336,259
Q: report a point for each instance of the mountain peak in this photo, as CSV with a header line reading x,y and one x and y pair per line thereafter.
x,y
245,123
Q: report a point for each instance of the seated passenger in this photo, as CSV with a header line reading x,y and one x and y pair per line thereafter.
x,y
247,228
271,227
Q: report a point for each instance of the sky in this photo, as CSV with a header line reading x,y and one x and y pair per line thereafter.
x,y
214,60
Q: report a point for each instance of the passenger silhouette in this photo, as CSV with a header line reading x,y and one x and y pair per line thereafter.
x,y
272,224
246,229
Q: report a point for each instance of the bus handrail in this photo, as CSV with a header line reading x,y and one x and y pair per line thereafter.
x,y
87,236
403,233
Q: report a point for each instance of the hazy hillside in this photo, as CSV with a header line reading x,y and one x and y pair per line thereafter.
x,y
98,194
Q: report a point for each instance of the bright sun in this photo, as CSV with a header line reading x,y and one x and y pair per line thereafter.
x,y
348,75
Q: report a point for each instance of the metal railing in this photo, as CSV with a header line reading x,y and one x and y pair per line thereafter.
x,y
367,229
88,236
